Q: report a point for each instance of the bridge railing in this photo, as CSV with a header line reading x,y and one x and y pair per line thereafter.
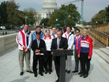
x,y
103,28
102,37
7,42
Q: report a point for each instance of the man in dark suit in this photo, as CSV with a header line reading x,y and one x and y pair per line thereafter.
x,y
39,49
58,43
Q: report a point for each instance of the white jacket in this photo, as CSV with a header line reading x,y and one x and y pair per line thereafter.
x,y
48,42
70,38
21,39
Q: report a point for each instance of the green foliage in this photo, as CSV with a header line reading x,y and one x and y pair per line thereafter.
x,y
11,16
3,13
101,17
45,22
67,15
85,23
30,15
107,14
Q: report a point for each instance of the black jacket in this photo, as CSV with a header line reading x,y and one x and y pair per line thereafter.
x,y
63,43
41,47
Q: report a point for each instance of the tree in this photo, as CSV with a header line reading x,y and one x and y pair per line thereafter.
x,y
45,22
31,15
101,17
3,13
11,16
107,14
15,17
67,15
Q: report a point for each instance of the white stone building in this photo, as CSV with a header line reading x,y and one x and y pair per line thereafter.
x,y
48,7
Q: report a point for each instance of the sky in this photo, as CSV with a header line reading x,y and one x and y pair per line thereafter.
x,y
91,7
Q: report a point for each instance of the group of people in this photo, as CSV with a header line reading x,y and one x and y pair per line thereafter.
x,y
43,46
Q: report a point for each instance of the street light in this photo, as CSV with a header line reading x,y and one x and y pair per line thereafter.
x,y
104,21
56,19
96,23
57,23
26,19
69,16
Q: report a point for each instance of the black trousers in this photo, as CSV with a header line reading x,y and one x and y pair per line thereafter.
x,y
48,61
57,65
76,60
85,63
37,58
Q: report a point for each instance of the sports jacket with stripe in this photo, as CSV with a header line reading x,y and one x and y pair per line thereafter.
x,y
86,46
70,39
77,40
23,39
48,42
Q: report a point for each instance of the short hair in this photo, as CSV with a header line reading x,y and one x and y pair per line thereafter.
x,y
38,33
26,25
47,30
77,30
69,27
85,30
59,31
53,27
38,27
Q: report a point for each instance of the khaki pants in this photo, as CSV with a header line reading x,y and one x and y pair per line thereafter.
x,y
23,54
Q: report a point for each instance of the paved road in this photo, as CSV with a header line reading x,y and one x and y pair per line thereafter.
x,y
9,71
7,31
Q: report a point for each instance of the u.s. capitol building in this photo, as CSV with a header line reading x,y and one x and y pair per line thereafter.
x,y
48,7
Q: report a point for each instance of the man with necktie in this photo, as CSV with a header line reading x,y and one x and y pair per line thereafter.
x,y
58,43
39,49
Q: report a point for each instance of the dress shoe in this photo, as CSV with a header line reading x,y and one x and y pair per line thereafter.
x,y
74,71
57,80
35,75
49,72
86,75
41,74
29,71
79,73
46,72
68,71
21,73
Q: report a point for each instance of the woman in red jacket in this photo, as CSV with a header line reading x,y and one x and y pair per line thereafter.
x,y
85,53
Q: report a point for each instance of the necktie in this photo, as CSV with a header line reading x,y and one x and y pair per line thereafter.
x,y
38,42
58,42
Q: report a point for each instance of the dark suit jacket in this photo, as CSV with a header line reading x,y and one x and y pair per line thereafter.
x,y
63,43
41,47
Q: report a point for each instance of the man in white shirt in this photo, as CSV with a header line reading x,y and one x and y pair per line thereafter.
x,y
70,39
23,40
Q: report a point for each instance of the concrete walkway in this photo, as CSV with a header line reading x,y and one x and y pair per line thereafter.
x,y
9,71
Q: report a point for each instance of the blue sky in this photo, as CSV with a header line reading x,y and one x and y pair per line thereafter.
x,y
91,7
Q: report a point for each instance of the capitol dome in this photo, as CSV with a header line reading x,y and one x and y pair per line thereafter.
x,y
49,5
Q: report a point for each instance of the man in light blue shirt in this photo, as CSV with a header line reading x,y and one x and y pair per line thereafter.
x,y
38,29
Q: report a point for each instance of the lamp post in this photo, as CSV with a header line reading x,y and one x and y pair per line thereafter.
x,y
26,19
57,23
96,23
104,21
